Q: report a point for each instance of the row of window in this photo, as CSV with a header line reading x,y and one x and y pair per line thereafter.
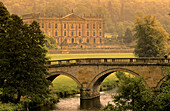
x,y
80,41
72,26
72,34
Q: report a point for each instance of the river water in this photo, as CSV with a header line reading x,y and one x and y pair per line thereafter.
x,y
73,103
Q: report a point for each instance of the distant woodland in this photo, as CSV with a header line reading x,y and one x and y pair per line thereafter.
x,y
118,14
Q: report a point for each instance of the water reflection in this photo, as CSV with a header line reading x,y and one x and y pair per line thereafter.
x,y
90,104
75,104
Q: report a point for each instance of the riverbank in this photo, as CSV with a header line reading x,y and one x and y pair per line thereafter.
x,y
29,104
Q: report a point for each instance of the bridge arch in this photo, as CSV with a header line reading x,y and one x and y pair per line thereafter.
x,y
54,74
159,84
97,80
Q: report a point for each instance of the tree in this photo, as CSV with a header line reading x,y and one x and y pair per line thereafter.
x,y
24,71
51,42
132,95
151,37
120,74
162,101
128,38
4,17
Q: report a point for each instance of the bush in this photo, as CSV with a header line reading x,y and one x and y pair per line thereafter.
x,y
10,107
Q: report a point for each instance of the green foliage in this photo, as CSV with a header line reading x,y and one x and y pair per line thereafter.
x,y
51,42
119,74
109,82
151,37
10,107
110,107
64,86
162,101
31,103
132,95
128,38
4,12
23,57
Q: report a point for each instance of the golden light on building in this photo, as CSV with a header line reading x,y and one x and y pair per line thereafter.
x,y
71,29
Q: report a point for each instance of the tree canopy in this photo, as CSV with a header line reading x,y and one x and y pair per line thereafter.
x,y
128,38
151,37
133,95
22,70
51,42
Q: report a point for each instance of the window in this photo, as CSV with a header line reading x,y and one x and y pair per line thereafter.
x,y
65,26
42,25
65,33
100,40
49,25
87,26
72,40
72,26
79,40
87,40
93,33
87,33
100,34
55,25
79,26
79,33
72,33
100,26
55,33
93,26
94,40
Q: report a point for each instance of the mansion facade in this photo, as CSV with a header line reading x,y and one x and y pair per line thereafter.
x,y
71,30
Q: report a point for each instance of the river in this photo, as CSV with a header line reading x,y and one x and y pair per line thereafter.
x,y
73,103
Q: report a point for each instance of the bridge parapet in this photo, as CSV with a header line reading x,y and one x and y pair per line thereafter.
x,y
116,61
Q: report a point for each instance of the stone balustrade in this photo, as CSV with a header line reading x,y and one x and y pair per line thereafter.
x,y
120,61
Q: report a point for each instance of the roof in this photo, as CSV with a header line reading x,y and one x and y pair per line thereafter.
x,y
72,16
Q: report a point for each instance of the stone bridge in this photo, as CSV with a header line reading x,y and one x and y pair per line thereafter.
x,y
89,73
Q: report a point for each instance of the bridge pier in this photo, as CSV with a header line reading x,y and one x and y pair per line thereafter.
x,y
90,99
89,94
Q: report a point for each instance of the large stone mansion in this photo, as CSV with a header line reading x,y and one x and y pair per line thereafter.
x,y
71,30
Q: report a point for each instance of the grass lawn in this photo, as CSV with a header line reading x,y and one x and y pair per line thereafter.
x,y
64,84
77,56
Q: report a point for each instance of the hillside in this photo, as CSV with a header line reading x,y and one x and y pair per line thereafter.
x,y
118,14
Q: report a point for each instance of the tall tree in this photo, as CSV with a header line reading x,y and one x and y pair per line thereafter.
x,y
4,18
128,38
151,37
131,95
23,70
